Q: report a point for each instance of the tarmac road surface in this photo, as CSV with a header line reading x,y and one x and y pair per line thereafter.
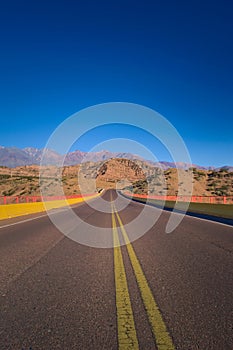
x,y
160,291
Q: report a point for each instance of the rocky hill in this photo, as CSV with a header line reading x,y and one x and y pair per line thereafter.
x,y
119,173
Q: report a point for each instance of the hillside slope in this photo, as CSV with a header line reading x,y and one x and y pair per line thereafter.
x,y
137,176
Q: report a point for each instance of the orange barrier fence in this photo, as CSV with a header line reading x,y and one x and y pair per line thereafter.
x,y
193,199
33,199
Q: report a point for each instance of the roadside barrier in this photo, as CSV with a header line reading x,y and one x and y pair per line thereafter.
x,y
15,206
192,199
32,199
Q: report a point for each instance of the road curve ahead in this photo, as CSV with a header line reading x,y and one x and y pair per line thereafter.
x,y
128,290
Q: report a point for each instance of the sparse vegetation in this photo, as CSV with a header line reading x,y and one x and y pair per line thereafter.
x,y
135,176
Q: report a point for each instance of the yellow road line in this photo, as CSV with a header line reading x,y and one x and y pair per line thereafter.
x,y
127,337
161,335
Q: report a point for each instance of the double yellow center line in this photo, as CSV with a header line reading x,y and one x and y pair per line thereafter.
x,y
127,336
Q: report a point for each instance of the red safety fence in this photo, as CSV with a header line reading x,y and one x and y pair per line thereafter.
x,y
193,199
33,199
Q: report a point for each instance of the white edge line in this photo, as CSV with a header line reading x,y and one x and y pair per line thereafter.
x,y
26,220
41,216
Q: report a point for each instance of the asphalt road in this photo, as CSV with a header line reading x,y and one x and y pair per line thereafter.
x,y
161,291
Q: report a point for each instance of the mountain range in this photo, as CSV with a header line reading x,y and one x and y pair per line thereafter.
x,y
13,157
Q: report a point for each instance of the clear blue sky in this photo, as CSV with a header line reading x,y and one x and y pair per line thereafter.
x,y
176,57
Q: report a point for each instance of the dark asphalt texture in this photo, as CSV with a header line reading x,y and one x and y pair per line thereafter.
x,y
58,294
